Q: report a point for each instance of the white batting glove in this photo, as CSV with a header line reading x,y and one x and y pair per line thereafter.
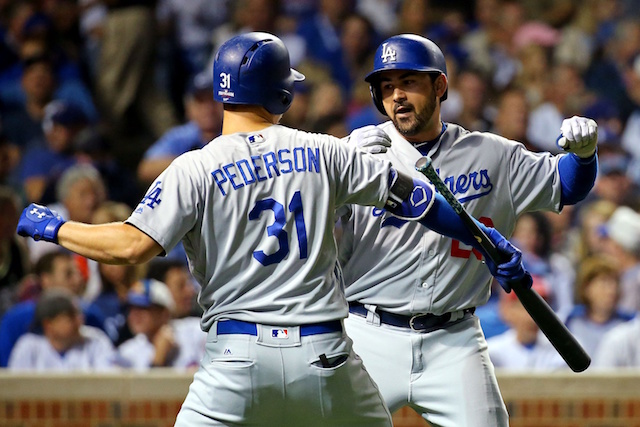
x,y
579,135
370,139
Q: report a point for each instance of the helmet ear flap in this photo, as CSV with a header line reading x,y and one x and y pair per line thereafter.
x,y
376,95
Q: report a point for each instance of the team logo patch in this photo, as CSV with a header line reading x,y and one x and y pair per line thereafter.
x,y
152,198
280,333
418,196
388,53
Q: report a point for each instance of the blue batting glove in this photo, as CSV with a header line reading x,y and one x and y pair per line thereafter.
x,y
511,270
40,222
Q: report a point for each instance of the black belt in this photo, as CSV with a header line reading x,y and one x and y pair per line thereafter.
x,y
231,326
419,322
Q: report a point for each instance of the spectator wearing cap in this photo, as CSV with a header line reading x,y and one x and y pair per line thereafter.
x,y
158,341
60,341
623,244
598,292
204,124
43,166
175,274
24,104
523,346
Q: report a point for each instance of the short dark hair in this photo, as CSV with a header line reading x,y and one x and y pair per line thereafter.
x,y
45,262
53,303
158,268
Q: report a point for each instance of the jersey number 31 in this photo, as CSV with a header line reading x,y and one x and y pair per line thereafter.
x,y
277,228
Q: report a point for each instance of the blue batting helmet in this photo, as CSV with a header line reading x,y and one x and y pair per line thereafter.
x,y
405,52
254,69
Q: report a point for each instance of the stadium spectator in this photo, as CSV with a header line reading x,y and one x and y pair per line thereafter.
x,y
533,235
512,116
204,124
623,244
585,238
620,347
43,166
598,291
14,259
125,85
565,96
473,89
60,341
79,192
321,34
159,341
113,281
175,274
55,270
523,347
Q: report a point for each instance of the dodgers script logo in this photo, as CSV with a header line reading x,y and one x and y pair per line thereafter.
x,y
478,181
388,53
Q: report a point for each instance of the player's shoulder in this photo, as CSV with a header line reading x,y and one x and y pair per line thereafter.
x,y
489,141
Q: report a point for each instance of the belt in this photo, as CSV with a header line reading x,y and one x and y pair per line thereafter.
x,y
231,326
419,322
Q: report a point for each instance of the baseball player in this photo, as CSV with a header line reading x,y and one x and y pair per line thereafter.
x,y
254,210
412,294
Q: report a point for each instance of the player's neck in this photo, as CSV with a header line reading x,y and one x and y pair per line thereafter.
x,y
247,120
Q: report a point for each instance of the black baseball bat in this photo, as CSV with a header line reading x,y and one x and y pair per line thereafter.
x,y
546,319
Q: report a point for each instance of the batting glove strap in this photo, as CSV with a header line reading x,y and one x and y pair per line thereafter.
x,y
40,223
409,199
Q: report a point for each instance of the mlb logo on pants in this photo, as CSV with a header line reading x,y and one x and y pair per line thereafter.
x,y
280,333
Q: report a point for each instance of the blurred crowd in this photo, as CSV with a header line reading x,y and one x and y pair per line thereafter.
x,y
97,97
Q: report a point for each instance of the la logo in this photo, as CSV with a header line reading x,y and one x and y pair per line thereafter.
x,y
388,53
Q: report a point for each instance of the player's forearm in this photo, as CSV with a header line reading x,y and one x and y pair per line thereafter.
x,y
577,177
113,243
442,219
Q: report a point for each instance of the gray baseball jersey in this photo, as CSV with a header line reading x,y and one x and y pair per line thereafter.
x,y
252,212
399,267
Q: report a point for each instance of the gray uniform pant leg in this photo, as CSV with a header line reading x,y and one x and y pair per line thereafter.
x,y
250,381
444,375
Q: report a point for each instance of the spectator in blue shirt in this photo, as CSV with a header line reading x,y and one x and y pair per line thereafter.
x,y
42,166
205,123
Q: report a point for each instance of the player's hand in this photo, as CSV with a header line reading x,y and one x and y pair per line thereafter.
x,y
370,139
511,270
40,222
579,135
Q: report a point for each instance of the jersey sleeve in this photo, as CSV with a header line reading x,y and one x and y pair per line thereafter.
x,y
170,207
534,180
361,178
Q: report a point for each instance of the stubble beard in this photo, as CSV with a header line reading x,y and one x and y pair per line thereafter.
x,y
417,123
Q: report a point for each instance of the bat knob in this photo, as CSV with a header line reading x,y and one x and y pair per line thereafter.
x,y
423,163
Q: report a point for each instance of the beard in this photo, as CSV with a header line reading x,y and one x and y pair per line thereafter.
x,y
416,122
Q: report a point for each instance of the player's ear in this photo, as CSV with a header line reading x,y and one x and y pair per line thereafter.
x,y
440,85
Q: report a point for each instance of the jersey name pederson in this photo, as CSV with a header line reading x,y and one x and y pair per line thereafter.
x,y
266,166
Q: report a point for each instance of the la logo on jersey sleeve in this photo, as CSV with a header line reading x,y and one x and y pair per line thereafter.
x,y
152,198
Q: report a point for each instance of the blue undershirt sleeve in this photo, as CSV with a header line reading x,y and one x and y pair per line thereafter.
x,y
577,177
442,219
